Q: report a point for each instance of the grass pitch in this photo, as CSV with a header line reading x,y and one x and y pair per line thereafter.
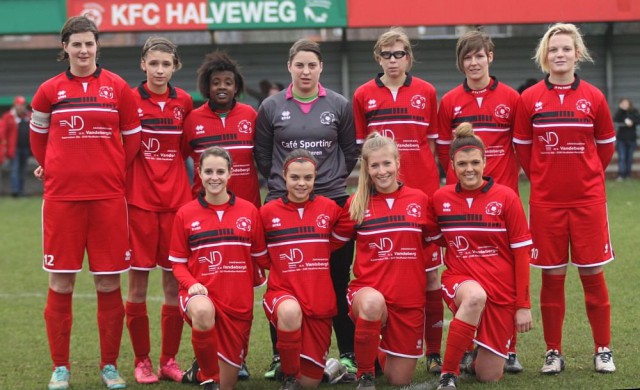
x,y
25,362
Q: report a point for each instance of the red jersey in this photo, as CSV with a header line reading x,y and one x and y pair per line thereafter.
x,y
84,120
218,244
480,228
409,118
492,112
157,179
298,242
235,132
563,125
390,245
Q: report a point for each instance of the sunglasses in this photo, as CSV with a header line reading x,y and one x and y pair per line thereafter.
x,y
396,54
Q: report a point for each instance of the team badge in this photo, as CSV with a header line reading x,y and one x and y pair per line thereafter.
x,y
244,223
327,118
323,221
493,208
105,92
245,126
178,113
414,210
583,105
502,111
419,102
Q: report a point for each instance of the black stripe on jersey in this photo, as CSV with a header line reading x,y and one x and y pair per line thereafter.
x,y
159,124
465,220
217,140
479,120
386,114
386,223
296,237
82,102
293,230
212,236
557,117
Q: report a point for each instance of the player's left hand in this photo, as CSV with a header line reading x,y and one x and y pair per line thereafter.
x,y
39,173
523,320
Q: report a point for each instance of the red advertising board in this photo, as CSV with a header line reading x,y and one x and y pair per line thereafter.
x,y
383,13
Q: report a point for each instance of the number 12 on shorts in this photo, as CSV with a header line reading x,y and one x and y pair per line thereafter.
x,y
47,260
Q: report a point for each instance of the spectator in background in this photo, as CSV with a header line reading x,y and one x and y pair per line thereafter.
x,y
264,90
626,118
527,83
15,126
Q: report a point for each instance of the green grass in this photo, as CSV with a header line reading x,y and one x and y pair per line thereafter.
x,y
25,362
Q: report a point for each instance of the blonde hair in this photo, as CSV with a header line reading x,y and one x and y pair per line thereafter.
x,y
360,200
395,34
465,138
569,29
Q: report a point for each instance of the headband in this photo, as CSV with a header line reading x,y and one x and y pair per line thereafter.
x,y
300,160
467,147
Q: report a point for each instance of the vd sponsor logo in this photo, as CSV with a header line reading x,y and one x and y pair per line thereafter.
x,y
384,245
459,243
75,124
213,260
294,257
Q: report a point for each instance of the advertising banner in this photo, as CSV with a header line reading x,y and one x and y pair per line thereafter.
x,y
176,15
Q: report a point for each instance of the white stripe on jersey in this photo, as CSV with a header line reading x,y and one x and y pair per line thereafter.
x,y
237,243
178,259
521,244
398,123
90,109
563,125
372,232
466,229
296,242
161,131
491,130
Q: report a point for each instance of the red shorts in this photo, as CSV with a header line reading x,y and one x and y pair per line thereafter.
x,y
434,258
232,333
98,226
496,323
583,229
316,332
150,238
403,333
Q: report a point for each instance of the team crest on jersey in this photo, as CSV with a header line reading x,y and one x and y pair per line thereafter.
x,y
178,113
493,208
105,92
195,225
275,222
62,94
538,106
244,223
199,129
502,111
327,118
286,115
457,110
419,102
414,210
446,207
245,126
372,103
323,221
583,105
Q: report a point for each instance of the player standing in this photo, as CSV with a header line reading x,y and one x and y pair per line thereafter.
x,y
157,186
490,106
85,131
403,107
309,116
486,283
564,139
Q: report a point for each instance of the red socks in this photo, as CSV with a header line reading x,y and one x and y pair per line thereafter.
x,y
172,324
460,334
552,307
434,315
110,321
598,308
58,317
138,325
366,342
289,345
205,347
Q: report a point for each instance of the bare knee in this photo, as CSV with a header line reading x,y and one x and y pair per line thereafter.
x,y
474,301
371,306
289,315
202,313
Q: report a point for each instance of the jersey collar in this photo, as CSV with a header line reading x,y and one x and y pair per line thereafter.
x,y
289,92
484,189
374,192
492,85
574,85
286,200
205,205
407,81
96,74
213,106
145,95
